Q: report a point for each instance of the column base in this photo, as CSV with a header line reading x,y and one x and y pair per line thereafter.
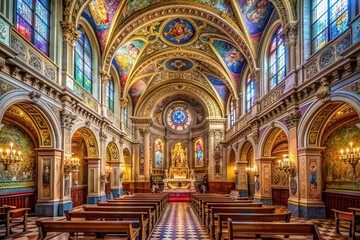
x,y
117,192
95,199
66,205
266,201
47,209
244,193
307,211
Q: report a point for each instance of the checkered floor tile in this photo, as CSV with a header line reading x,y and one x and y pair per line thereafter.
x,y
180,222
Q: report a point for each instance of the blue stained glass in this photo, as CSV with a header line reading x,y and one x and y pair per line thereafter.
x,y
42,13
87,45
87,84
337,10
320,41
25,12
45,3
87,59
41,28
250,92
40,43
27,2
179,117
339,26
87,71
277,60
79,76
110,95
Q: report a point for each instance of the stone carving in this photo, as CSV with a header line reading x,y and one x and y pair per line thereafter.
x,y
280,8
311,70
70,34
18,46
327,57
2,63
35,61
102,135
124,102
291,35
49,72
105,77
5,87
217,156
67,119
14,71
2,30
35,96
356,88
323,92
343,44
293,119
293,186
273,97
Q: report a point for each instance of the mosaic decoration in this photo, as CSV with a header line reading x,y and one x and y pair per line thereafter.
x,y
255,15
199,152
24,171
136,90
125,58
178,64
219,86
159,152
32,22
178,31
100,13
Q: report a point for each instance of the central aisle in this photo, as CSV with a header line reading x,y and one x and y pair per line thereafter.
x,y
179,222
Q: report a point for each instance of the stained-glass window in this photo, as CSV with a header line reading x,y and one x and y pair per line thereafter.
x,y
125,116
179,117
329,18
83,61
32,22
250,93
110,95
277,59
232,113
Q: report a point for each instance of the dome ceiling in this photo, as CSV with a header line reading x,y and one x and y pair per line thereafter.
x,y
175,47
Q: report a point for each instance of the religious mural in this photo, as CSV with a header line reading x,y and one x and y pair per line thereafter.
x,y
100,13
136,89
199,152
178,31
338,174
219,86
23,172
125,58
255,15
159,152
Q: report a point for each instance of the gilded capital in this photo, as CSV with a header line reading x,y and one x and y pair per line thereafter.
x,y
70,34
105,77
124,103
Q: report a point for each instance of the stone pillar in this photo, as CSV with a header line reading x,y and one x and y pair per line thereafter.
x,y
310,176
94,181
292,121
105,77
103,138
290,34
211,163
242,178
116,179
263,191
135,160
146,154
50,171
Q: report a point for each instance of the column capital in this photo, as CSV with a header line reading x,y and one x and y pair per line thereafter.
x,y
290,34
67,119
124,103
105,77
292,119
70,34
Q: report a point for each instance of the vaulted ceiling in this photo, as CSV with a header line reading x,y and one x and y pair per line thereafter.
x,y
202,46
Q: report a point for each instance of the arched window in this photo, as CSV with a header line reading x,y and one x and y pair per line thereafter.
x,y
32,22
277,59
125,116
250,92
110,95
232,113
83,61
329,18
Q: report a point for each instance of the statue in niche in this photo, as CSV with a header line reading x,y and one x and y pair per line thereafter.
x,y
179,155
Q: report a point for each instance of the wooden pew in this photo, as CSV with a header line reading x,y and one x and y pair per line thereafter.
x,y
352,217
236,230
150,213
99,228
9,213
214,211
221,220
136,217
142,200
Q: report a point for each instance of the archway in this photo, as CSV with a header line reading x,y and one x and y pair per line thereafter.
x,y
231,169
247,154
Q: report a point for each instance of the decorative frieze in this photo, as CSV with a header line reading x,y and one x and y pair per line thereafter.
x,y
343,44
19,47
311,69
14,71
35,61
3,31
327,57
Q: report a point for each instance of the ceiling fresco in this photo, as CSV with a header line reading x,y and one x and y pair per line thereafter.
x,y
179,48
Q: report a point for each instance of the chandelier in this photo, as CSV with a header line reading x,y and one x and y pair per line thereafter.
x,y
71,163
350,156
286,166
10,156
252,171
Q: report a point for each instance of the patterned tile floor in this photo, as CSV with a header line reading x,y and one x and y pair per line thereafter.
x,y
180,222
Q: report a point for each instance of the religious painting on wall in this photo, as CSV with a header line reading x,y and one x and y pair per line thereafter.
x,y
46,178
179,155
199,152
159,152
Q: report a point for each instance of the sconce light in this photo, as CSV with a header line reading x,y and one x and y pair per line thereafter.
x,y
10,156
350,156
287,166
252,171
236,171
71,163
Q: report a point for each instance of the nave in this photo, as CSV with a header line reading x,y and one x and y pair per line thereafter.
x,y
179,222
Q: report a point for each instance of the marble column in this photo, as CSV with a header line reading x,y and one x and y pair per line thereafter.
x,y
146,154
242,178
211,163
115,179
263,191
105,77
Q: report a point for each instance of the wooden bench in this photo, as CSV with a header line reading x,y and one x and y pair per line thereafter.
x,y
137,218
221,220
99,228
270,230
8,215
352,217
150,213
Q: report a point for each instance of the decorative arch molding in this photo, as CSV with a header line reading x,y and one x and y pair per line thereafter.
x,y
269,137
213,107
310,124
112,152
166,10
287,10
90,140
47,124
244,149
126,156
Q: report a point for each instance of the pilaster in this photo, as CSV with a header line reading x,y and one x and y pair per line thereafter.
x,y
94,181
263,181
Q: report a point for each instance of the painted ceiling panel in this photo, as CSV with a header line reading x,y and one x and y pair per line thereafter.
x,y
125,58
219,86
137,89
100,13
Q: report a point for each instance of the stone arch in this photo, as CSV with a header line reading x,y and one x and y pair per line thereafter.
x,y
269,138
230,166
90,141
112,152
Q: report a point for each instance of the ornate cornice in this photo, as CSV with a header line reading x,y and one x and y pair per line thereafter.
x,y
142,120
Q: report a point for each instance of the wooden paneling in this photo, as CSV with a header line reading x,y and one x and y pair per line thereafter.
x,y
221,187
78,195
19,199
280,196
340,200
142,187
